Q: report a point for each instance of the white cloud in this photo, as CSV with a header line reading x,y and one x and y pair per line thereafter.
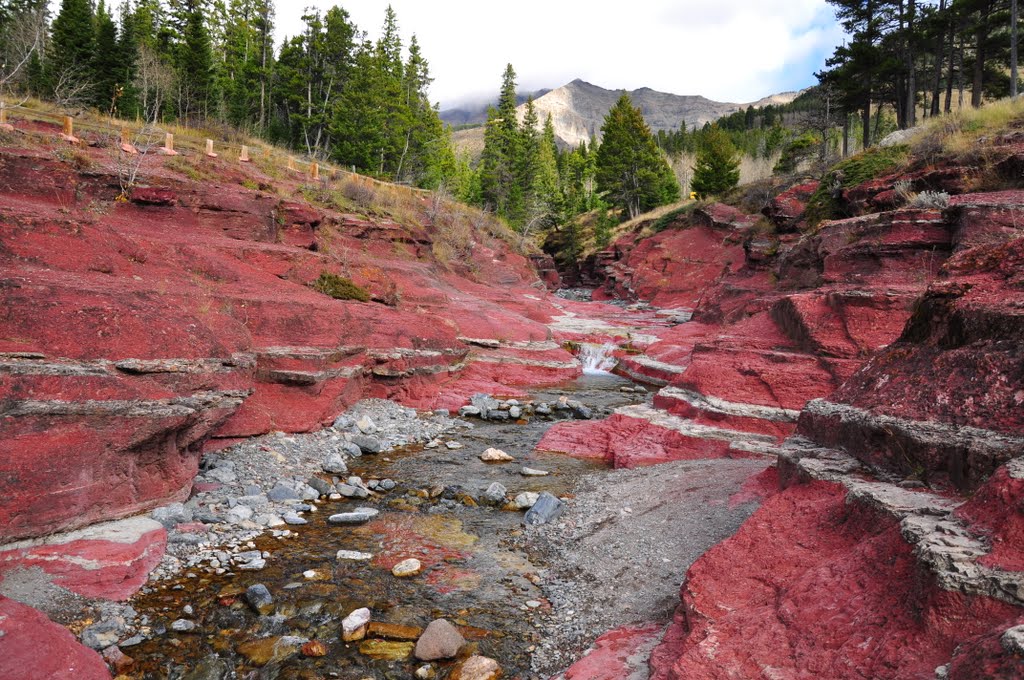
x,y
730,50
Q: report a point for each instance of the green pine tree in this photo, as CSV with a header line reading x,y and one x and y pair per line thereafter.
x,y
194,62
72,45
501,156
630,168
717,167
106,63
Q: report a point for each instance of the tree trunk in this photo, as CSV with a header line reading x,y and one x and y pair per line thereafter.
x,y
911,105
980,36
1013,48
846,135
940,50
865,118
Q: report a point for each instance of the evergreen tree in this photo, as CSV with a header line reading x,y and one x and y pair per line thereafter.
x,y
194,62
629,167
106,63
717,169
501,192
72,45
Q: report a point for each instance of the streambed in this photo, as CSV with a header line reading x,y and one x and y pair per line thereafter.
x,y
532,599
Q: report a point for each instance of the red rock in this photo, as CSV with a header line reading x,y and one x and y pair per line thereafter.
x,y
109,561
787,209
618,654
153,196
625,442
721,216
34,648
299,214
810,585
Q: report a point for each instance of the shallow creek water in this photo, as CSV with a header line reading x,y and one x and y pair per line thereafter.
x,y
476,573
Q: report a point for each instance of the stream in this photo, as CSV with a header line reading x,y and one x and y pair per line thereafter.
x,y
479,571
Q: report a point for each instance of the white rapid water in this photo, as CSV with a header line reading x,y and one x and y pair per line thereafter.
x,y
597,359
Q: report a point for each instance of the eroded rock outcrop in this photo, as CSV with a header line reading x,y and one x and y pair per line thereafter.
x,y
137,334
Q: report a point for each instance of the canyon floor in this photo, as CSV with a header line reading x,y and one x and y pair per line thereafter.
x,y
807,463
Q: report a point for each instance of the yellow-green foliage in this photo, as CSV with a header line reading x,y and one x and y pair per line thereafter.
x,y
960,133
865,166
340,288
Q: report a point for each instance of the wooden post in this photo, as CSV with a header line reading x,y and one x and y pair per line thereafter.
x,y
209,149
244,156
314,170
291,163
4,125
68,134
168,147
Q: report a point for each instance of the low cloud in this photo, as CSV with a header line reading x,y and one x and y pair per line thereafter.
x,y
729,50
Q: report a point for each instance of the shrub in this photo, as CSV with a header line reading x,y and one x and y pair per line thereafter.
x,y
930,200
867,165
340,288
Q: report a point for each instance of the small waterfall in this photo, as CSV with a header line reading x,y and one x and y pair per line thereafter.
x,y
597,359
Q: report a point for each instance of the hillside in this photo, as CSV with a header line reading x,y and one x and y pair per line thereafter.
x,y
578,110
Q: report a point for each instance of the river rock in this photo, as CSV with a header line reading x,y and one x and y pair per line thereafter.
x,y
172,515
354,556
354,626
395,631
350,491
368,444
259,598
386,650
183,626
267,650
357,516
103,634
238,514
515,412
531,472
546,509
526,500
452,446
441,640
497,415
293,519
476,668
426,672
322,487
366,425
210,668
493,455
406,568
469,411
314,649
495,494
283,492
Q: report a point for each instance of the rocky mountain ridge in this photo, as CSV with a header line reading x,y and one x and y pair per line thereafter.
x,y
578,109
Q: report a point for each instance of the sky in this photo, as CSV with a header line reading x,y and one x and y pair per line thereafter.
x,y
727,50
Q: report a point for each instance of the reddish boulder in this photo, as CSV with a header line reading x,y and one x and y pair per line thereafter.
x,y
34,648
109,561
153,196
787,209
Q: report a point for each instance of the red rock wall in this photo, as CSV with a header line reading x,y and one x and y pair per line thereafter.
x,y
134,334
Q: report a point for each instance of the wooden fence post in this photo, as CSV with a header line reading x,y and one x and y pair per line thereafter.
x,y
68,134
291,163
244,156
314,171
168,147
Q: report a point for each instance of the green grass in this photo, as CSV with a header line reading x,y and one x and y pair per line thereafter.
x,y
340,288
868,165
